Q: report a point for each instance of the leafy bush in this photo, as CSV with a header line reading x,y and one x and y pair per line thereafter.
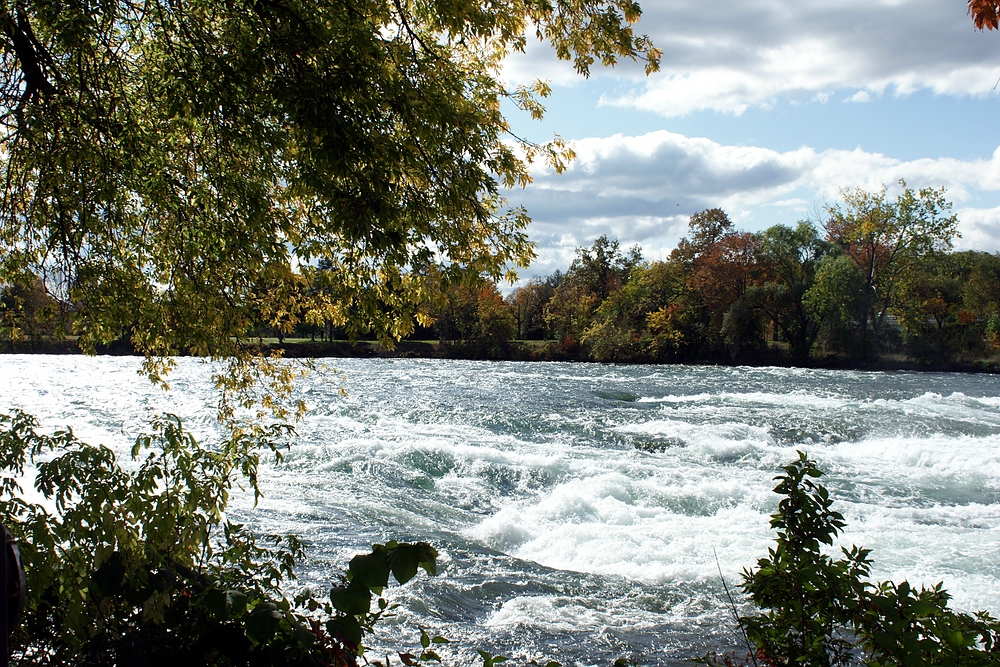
x,y
807,598
814,609
137,565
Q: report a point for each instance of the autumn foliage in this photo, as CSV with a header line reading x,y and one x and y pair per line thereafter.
x,y
985,14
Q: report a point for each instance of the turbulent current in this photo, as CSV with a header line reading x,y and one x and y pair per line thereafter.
x,y
584,512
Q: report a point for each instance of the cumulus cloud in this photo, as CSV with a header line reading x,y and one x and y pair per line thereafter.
x,y
642,189
730,57
980,229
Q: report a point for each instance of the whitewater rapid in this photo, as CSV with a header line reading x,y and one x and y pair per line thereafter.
x,y
583,511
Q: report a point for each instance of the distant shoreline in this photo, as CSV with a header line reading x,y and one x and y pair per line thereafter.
x,y
521,351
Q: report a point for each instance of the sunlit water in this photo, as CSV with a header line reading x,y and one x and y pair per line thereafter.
x,y
583,512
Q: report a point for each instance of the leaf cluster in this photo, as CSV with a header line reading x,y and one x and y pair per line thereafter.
x,y
137,564
171,171
815,609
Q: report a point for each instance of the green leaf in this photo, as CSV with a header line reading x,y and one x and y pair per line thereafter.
x,y
405,559
371,570
263,622
354,599
304,636
111,575
226,604
346,628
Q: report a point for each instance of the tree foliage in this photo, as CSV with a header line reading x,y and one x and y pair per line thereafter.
x,y
885,239
881,279
602,268
789,257
985,14
476,316
706,227
807,598
168,167
136,563
527,305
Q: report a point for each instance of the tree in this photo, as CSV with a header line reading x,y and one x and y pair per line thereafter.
x,y
28,312
788,257
835,301
167,168
163,160
724,272
478,316
884,239
947,302
721,267
602,268
527,305
608,339
706,227
568,313
980,314
930,304
623,330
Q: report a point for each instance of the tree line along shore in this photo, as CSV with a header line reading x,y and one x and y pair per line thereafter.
x,y
877,286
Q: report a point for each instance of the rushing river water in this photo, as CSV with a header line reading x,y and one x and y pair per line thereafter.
x,y
583,511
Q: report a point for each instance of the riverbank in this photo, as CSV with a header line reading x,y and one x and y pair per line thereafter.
x,y
523,351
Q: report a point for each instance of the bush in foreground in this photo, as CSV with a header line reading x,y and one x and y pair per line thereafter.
x,y
816,609
137,565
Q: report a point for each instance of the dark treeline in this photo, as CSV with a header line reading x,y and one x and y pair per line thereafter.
x,y
876,278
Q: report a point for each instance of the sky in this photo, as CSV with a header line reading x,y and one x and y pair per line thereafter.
x,y
768,109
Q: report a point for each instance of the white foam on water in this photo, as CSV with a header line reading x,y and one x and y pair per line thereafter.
x,y
553,614
561,614
959,546
800,399
956,405
919,459
652,529
689,398
991,401
723,441
522,459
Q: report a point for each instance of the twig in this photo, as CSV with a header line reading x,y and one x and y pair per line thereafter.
x,y
736,615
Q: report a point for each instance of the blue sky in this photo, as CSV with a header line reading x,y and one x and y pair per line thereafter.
x,y
767,110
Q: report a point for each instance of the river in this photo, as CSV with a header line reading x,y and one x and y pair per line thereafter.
x,y
583,512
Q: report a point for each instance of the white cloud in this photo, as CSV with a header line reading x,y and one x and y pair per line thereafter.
x,y
980,229
641,189
860,97
731,57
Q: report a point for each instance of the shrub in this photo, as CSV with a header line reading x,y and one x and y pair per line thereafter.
x,y
814,609
136,565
